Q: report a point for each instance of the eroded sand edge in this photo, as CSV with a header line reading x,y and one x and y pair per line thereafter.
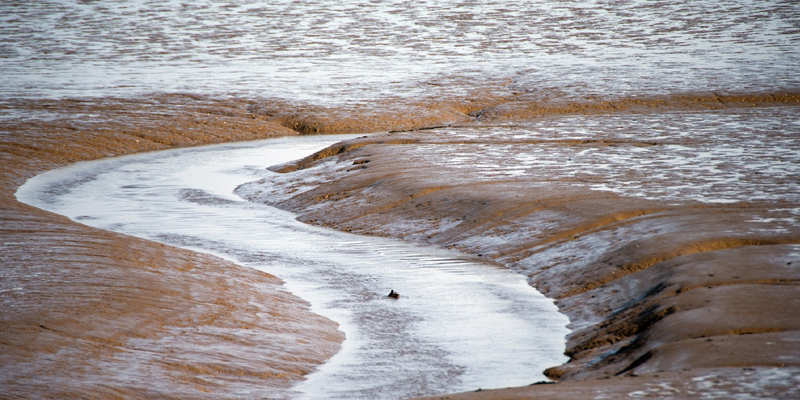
x,y
91,313
665,298
88,313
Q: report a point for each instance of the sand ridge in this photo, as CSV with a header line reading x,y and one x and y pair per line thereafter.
x,y
92,313
650,286
89,313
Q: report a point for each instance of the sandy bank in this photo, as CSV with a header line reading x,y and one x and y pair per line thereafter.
x,y
92,314
663,291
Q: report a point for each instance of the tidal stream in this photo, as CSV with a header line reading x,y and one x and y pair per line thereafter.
x,y
459,324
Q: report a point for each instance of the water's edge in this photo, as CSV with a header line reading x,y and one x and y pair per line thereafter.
x,y
25,193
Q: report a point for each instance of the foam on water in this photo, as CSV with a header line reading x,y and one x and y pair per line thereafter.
x,y
459,324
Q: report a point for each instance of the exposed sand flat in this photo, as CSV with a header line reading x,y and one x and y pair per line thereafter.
x,y
698,383
662,294
694,279
577,143
88,312
92,314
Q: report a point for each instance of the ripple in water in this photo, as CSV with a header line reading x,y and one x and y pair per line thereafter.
x,y
331,51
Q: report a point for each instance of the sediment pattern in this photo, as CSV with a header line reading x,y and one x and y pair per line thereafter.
x,y
678,272
662,277
533,69
93,314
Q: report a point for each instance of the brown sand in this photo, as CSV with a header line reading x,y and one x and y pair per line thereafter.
x,y
674,291
92,314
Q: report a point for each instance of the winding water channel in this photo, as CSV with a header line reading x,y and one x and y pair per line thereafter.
x,y
459,325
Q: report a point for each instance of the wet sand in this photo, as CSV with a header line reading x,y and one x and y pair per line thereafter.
x,y
92,314
658,292
365,67
661,290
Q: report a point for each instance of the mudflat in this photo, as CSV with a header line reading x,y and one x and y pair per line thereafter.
x,y
677,280
682,285
637,161
89,313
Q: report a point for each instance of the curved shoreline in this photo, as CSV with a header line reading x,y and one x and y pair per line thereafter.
x,y
75,335
89,313
664,291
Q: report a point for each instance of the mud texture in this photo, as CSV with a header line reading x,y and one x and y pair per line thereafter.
x,y
660,293
88,313
665,297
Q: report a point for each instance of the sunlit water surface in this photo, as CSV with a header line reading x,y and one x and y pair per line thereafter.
x,y
459,325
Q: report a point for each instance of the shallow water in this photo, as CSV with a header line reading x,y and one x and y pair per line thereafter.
x,y
722,156
329,52
459,325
